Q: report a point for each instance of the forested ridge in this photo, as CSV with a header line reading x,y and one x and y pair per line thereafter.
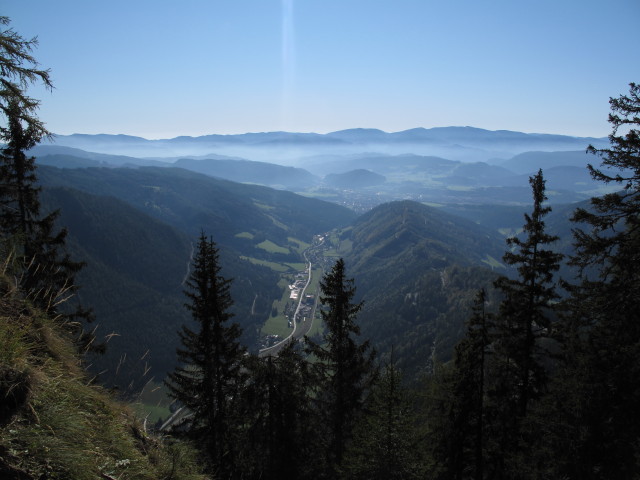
x,y
543,383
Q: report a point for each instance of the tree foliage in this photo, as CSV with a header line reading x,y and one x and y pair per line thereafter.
x,y
613,218
46,272
345,368
210,376
464,453
18,70
386,443
602,338
281,427
524,316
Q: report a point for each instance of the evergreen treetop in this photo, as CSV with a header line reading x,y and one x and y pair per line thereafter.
x,y
345,367
614,218
210,374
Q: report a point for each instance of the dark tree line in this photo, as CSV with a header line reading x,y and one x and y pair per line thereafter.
x,y
547,385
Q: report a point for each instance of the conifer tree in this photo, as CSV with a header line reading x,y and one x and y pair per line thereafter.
x,y
281,428
46,272
208,381
518,375
18,70
345,367
602,345
467,407
386,443
525,312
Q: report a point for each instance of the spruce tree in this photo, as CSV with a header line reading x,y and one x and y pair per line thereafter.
x,y
18,70
386,443
280,425
467,406
602,345
523,322
45,270
208,380
345,367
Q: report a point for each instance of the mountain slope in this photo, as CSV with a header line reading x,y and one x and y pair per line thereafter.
x,y
246,171
133,280
55,423
190,202
529,162
417,270
135,227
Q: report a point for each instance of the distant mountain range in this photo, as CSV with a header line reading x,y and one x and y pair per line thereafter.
x,y
457,143
364,180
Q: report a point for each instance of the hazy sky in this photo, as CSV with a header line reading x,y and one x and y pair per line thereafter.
x,y
160,69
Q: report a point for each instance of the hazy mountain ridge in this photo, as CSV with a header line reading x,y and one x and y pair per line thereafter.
x,y
459,143
247,171
530,162
191,201
408,172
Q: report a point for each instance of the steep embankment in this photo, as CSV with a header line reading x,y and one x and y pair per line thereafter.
x,y
55,424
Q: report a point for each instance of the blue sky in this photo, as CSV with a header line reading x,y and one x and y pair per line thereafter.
x,y
160,69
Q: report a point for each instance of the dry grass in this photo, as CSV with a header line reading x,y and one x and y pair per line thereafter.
x,y
54,424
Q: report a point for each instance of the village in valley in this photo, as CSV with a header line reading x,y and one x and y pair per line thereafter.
x,y
297,313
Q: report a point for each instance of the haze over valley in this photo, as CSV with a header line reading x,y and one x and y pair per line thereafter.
x,y
360,168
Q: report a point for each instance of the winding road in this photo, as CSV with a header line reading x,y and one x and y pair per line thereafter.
x,y
298,330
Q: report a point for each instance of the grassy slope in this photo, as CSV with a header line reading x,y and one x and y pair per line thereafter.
x,y
54,424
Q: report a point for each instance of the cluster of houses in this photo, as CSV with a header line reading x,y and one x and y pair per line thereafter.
x,y
269,341
306,307
298,285
306,303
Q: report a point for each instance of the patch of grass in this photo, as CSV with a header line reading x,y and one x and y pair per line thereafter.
x,y
64,427
345,246
278,223
298,267
271,247
276,267
263,206
14,344
152,413
301,246
154,393
492,262
277,325
317,327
